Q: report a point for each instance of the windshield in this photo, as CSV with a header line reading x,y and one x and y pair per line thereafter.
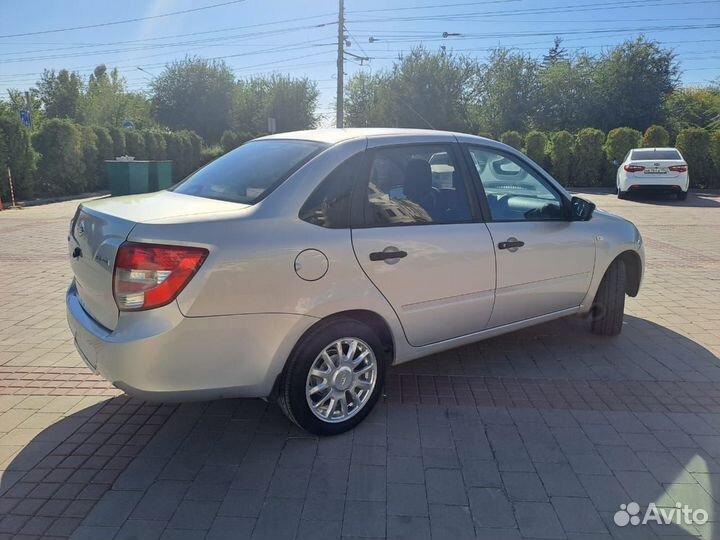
x,y
250,172
655,154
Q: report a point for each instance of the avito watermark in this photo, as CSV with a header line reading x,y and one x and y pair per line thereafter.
x,y
680,514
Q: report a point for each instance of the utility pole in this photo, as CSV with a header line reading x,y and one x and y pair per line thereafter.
x,y
340,63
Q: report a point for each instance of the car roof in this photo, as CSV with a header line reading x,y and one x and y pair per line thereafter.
x,y
336,135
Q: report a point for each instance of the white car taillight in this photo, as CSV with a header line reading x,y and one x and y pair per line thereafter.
x,y
149,276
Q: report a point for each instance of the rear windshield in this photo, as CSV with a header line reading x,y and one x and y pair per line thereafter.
x,y
650,154
249,173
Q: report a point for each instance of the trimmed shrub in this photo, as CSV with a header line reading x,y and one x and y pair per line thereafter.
x,y
512,138
196,144
20,157
694,144
715,151
135,144
655,137
620,141
176,154
155,146
210,154
118,138
4,164
561,156
230,140
589,158
106,150
61,167
91,157
535,146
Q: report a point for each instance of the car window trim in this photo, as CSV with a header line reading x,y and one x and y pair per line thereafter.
x,y
566,204
357,220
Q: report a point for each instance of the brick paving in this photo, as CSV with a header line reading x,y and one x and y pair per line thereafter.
x,y
542,433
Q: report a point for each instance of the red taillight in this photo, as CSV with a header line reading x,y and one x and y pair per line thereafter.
x,y
148,276
634,168
678,168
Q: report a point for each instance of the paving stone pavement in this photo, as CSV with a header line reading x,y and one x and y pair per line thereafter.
x,y
542,433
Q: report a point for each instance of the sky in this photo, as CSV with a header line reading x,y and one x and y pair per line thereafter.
x,y
299,37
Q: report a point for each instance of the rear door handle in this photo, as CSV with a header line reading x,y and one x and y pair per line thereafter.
x,y
387,255
511,244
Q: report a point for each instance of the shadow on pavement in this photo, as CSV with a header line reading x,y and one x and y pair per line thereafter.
x,y
237,468
694,199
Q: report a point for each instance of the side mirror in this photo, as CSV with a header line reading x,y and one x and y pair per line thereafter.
x,y
582,210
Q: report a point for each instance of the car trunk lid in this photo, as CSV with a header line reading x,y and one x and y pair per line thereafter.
x,y
102,225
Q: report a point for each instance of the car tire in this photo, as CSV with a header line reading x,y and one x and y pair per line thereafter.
x,y
682,195
621,194
297,392
609,305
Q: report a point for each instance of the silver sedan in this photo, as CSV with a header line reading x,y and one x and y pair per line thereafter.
x,y
300,266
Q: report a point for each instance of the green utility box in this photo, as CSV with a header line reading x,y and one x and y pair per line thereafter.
x,y
160,175
128,177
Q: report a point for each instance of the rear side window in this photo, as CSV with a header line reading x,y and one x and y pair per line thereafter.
x,y
251,172
651,154
329,205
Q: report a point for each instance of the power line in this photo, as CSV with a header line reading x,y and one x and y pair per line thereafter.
x,y
125,21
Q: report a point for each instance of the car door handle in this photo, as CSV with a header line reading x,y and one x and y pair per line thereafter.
x,y
386,255
511,244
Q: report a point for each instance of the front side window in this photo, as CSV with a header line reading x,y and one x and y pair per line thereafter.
x,y
513,190
250,172
329,204
413,185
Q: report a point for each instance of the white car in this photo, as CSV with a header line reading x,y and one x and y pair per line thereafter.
x,y
661,170
300,266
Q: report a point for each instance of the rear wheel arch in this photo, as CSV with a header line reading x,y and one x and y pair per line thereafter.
x,y
369,318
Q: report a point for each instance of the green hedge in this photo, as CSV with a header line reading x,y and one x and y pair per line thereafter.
x,y
536,147
589,163
656,137
17,153
694,144
561,156
620,141
61,168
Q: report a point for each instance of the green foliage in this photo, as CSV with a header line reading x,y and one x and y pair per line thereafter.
x,y
118,137
61,93
656,137
536,146
589,157
231,140
620,141
561,156
512,138
508,91
107,102
291,101
568,97
715,152
423,89
135,144
210,154
91,156
105,150
195,94
155,145
694,144
61,168
692,107
20,157
4,164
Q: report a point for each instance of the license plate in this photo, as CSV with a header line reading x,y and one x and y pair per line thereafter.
x,y
655,171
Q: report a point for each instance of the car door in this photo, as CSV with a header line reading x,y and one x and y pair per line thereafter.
x,y
544,260
418,236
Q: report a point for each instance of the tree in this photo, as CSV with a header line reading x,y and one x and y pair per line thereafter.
x,y
634,80
118,137
535,146
20,157
557,53
692,107
60,93
423,89
195,94
620,141
61,167
292,102
589,157
561,156
655,136
512,138
108,103
509,91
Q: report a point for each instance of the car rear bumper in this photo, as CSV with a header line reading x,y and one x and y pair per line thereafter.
x,y
162,355
655,184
